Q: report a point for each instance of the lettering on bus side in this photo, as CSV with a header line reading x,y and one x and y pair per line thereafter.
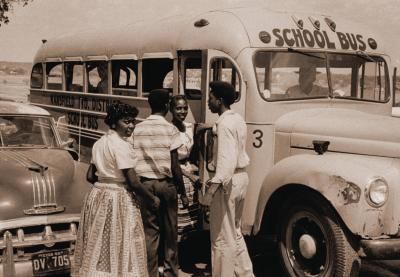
x,y
317,38
83,103
88,121
62,100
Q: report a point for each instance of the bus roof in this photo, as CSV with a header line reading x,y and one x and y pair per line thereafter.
x,y
228,30
15,108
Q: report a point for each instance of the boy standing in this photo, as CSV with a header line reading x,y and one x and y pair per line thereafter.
x,y
155,143
227,189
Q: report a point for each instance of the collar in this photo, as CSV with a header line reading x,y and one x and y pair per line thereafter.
x,y
223,115
112,132
156,117
220,118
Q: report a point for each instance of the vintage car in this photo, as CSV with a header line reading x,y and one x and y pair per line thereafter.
x,y
42,189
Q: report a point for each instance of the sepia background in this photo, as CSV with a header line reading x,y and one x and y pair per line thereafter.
x,y
44,19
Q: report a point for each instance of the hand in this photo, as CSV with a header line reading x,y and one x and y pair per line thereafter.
x,y
203,126
156,203
198,184
185,201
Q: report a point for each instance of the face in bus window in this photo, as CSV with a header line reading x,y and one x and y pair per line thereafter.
x,y
179,109
307,76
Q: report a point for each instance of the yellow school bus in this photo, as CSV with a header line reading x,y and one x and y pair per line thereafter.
x,y
325,151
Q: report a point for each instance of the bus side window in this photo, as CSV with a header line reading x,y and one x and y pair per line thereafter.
x,y
37,76
54,76
157,73
192,78
223,70
97,76
124,77
73,76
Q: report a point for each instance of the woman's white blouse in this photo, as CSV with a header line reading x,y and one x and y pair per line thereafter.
x,y
187,141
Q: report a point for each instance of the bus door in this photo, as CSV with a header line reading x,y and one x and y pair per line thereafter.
x,y
197,70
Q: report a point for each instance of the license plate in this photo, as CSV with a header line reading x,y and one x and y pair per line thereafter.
x,y
52,261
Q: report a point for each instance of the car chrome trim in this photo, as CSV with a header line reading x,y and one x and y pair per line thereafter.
x,y
38,220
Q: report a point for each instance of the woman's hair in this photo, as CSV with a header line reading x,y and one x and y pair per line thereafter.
x,y
174,100
117,111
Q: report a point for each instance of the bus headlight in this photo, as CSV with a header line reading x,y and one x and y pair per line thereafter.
x,y
377,192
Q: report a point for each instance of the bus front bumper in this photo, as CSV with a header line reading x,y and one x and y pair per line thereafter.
x,y
380,249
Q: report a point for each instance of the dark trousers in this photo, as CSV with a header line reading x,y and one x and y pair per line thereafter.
x,y
161,223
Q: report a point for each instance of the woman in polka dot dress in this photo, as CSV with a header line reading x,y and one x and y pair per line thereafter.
x,y
110,240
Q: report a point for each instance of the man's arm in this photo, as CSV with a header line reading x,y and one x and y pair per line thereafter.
x,y
178,178
91,176
135,184
227,155
226,162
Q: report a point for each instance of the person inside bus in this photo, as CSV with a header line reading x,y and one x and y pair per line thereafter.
x,y
156,142
111,239
102,86
227,189
187,217
306,87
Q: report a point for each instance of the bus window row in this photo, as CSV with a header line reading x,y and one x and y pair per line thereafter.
x,y
122,77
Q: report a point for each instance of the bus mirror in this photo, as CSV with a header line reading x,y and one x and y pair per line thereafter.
x,y
266,93
69,143
61,120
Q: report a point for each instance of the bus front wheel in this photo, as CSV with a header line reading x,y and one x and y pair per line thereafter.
x,y
312,242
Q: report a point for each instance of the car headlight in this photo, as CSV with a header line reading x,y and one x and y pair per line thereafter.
x,y
377,192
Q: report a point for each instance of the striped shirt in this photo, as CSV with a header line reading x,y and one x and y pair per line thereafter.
x,y
153,141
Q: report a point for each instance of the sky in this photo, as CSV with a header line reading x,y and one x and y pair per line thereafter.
x,y
43,19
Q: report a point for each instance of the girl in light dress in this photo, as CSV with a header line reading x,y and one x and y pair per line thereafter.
x,y
111,240
188,218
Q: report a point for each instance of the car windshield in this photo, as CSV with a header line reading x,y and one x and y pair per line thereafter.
x,y
301,75
26,131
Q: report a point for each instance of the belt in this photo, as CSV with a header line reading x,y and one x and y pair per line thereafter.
x,y
239,170
144,179
114,185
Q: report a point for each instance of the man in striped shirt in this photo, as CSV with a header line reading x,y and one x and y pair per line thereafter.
x,y
155,143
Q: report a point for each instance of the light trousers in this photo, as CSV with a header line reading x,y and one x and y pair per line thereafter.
x,y
229,254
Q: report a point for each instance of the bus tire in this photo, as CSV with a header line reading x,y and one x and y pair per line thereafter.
x,y
313,243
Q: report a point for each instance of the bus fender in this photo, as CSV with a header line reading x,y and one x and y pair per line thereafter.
x,y
342,180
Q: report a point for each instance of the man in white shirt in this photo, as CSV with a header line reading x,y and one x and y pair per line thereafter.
x,y
227,189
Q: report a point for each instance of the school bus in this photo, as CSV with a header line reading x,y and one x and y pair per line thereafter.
x,y
325,160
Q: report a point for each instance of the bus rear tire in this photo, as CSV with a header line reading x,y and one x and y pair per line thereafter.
x,y
313,243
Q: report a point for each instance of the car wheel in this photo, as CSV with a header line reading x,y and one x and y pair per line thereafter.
x,y
312,242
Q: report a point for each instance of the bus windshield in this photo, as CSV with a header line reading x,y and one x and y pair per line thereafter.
x,y
302,75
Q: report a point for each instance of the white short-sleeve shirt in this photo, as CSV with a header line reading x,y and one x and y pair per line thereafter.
x,y
187,141
111,154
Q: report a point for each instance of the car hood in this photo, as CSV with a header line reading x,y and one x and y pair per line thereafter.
x,y
347,131
33,181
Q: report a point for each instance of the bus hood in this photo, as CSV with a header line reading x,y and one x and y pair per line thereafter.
x,y
34,181
349,131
